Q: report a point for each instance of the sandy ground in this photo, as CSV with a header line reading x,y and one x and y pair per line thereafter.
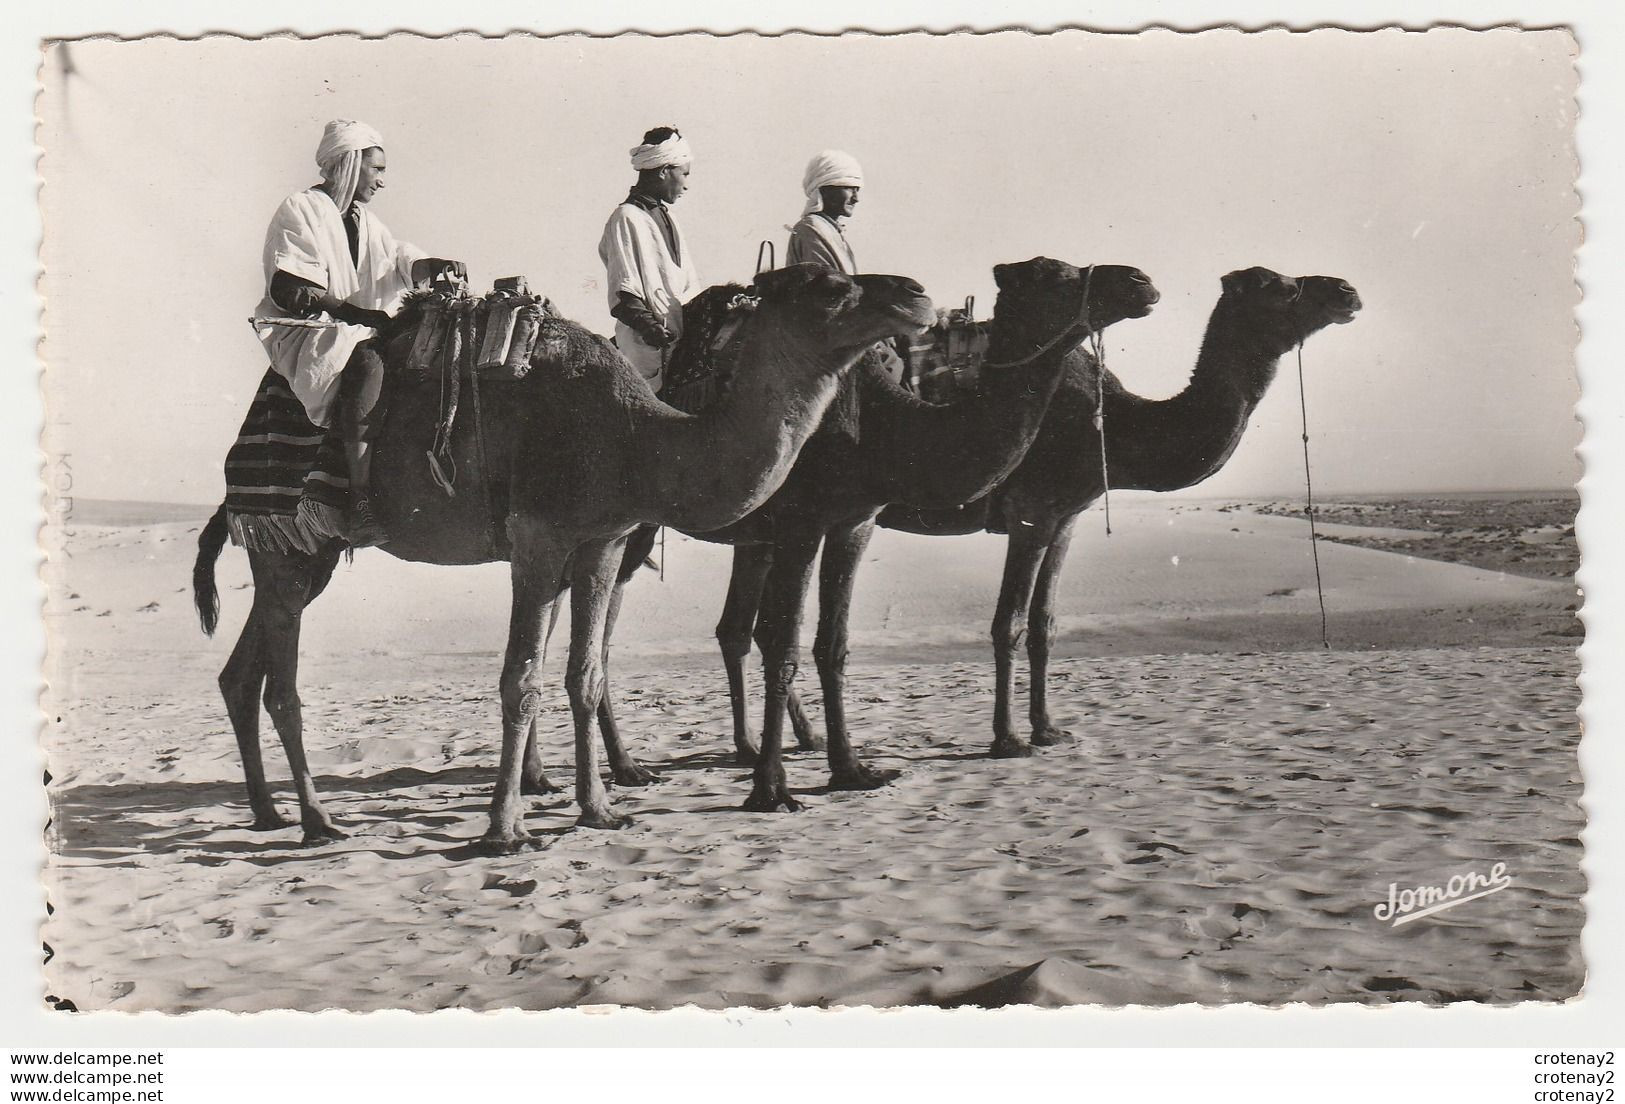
x,y
1237,801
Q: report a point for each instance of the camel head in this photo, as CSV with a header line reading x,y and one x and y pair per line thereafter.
x,y
1280,311
1038,298
827,312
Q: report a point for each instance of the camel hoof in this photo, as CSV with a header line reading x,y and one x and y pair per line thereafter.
x,y
809,741
606,820
501,843
540,786
745,755
860,777
324,832
1050,736
771,802
634,774
1011,749
270,822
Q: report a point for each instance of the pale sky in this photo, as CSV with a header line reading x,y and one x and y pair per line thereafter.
x,y
1433,171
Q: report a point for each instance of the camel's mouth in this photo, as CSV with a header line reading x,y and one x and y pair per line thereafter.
x,y
915,316
1149,297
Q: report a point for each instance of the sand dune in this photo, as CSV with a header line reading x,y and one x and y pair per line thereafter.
x,y
1220,831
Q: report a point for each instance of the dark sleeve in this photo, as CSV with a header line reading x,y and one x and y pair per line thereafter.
x,y
634,312
283,285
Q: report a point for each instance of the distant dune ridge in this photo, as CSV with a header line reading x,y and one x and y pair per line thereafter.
x,y
1237,802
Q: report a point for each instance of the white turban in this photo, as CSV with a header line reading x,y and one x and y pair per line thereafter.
x,y
339,156
830,169
673,151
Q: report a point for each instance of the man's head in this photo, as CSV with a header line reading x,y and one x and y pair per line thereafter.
x,y
831,183
839,200
663,161
351,157
371,180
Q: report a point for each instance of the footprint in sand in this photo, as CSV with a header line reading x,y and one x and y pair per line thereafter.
x,y
150,607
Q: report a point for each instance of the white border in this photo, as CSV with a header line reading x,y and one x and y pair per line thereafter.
x,y
23,1022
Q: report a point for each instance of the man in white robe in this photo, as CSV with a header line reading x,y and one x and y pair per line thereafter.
x,y
327,258
651,273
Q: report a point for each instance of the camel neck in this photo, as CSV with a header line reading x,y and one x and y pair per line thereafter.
x,y
710,469
950,454
1180,441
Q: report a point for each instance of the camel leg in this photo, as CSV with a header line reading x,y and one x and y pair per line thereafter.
x,y
533,780
1023,554
782,601
592,587
837,571
537,566
807,737
625,770
286,584
241,681
1041,638
739,617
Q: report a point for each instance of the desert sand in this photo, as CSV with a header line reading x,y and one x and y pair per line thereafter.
x,y
1237,801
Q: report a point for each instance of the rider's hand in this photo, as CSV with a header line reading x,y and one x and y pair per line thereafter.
x,y
305,300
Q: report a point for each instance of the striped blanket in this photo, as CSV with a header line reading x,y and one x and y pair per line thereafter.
x,y
286,484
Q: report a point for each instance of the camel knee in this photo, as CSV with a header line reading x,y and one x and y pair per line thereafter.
x,y
782,675
1007,634
281,697
830,655
735,644
584,682
521,692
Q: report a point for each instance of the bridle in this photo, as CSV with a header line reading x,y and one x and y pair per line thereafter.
x,y
1081,320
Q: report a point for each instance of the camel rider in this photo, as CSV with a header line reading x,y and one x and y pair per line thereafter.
x,y
328,257
831,184
651,273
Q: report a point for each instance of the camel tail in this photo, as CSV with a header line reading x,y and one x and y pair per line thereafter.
x,y
204,595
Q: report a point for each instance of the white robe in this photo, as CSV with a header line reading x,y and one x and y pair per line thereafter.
x,y
635,256
817,239
306,239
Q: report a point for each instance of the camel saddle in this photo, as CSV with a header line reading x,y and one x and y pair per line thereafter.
x,y
945,360
703,359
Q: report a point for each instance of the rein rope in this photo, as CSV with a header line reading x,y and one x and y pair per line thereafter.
x,y
1309,502
1097,342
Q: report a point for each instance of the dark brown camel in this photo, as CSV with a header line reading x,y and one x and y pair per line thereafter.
x,y
1151,445
877,445
584,453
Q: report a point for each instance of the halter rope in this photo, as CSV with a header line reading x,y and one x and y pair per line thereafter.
x,y
1097,345
1309,501
1081,320
1098,342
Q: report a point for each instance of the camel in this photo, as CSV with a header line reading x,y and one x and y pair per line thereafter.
x,y
877,445
586,453
1151,445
